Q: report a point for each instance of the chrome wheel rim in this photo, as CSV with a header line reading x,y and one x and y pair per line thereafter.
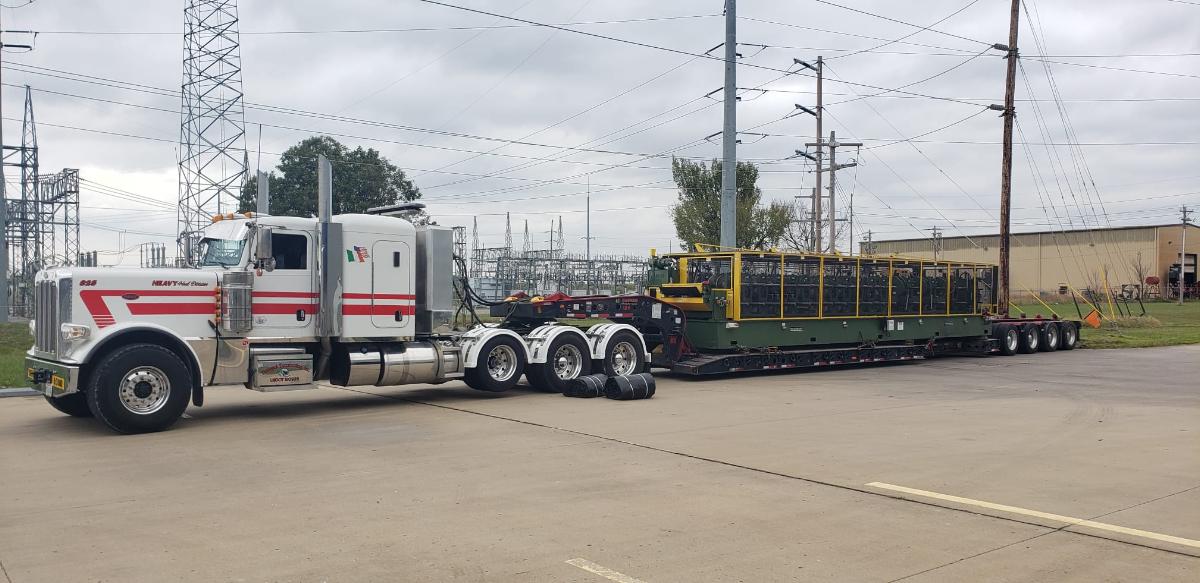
x,y
502,362
568,362
1033,340
1052,336
1011,340
144,390
624,358
1069,336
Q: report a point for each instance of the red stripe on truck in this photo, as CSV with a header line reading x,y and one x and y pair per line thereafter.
x,y
377,310
94,301
350,296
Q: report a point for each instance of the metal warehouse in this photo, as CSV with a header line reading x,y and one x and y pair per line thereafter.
x,y
1043,261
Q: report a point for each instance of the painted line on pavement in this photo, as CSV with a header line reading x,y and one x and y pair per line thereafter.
x,y
1070,520
605,572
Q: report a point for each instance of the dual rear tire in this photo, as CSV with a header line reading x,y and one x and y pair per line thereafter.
x,y
1029,338
502,362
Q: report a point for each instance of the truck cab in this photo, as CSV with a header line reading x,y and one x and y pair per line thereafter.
x,y
279,303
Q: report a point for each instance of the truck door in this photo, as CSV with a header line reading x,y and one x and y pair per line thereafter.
x,y
285,300
393,301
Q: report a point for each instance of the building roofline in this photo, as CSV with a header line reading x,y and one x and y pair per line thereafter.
x,y
1126,228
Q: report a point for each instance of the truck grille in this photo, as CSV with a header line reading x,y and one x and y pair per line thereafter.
x,y
46,316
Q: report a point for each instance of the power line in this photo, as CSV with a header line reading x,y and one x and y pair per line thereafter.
x,y
897,21
379,30
656,47
911,34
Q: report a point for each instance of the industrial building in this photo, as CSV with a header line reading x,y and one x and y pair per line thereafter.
x,y
1119,257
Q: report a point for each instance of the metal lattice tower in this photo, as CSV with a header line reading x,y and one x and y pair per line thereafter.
x,y
212,135
508,230
59,220
45,216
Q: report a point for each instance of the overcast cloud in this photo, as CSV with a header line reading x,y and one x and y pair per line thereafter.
x,y
511,82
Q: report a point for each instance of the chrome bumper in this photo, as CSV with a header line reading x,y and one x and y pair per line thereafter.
x,y
53,379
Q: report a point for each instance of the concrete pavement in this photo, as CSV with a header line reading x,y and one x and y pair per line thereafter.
x,y
749,478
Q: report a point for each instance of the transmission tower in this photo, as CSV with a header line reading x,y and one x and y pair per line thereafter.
x,y
560,242
212,135
508,232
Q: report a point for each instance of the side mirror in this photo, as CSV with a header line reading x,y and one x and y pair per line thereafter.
x,y
264,255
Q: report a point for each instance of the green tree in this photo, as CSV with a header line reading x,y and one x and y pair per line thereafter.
x,y
362,179
697,215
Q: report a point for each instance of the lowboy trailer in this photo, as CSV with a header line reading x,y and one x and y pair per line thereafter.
x,y
724,312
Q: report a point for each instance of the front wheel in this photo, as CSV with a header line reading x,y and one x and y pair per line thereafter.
x,y
139,388
500,364
623,355
74,404
566,360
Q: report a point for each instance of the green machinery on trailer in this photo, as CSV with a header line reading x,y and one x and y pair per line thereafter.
x,y
725,311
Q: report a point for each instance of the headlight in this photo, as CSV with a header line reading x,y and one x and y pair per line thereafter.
x,y
74,331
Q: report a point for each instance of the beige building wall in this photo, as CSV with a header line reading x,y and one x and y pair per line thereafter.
x,y
1043,261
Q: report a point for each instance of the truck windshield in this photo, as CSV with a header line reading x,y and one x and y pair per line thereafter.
x,y
221,252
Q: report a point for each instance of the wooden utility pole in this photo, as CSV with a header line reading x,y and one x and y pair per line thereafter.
x,y
1185,211
817,211
1010,89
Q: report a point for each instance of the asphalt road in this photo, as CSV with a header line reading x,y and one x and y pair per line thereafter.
x,y
962,469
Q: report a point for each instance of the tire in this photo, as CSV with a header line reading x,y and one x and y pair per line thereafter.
x,y
501,362
1008,339
139,388
1049,337
567,359
1068,336
1030,339
74,404
622,356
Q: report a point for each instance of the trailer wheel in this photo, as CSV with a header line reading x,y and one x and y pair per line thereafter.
x,y
139,388
622,356
501,362
1029,339
1008,338
566,360
1068,337
1049,337
74,404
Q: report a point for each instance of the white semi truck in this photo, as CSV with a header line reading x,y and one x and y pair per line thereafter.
x,y
281,303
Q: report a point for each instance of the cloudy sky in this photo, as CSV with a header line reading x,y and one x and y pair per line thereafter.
x,y
594,111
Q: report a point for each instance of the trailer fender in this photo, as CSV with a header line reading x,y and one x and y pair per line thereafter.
x,y
540,339
475,338
599,335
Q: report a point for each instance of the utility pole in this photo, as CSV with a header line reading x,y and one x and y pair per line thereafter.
x,y
1010,89
4,299
588,236
1185,211
868,245
816,212
833,168
729,135
937,242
